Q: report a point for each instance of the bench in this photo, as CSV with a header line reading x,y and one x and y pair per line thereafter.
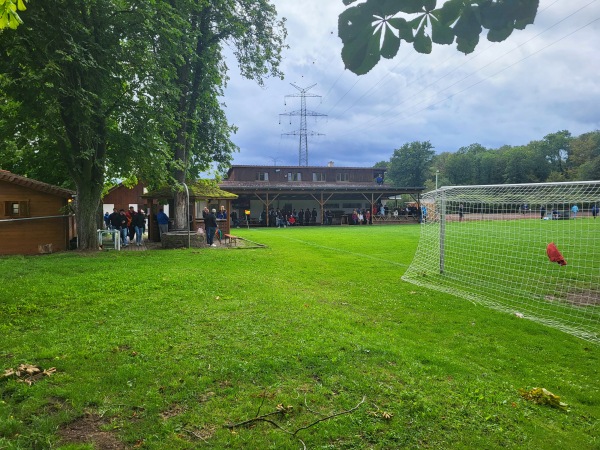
x,y
231,238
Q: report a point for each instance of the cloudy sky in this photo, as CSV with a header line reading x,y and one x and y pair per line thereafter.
x,y
543,79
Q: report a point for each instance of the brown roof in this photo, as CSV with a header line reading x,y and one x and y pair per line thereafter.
x,y
10,177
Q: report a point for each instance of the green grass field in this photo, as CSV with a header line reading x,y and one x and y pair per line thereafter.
x,y
165,349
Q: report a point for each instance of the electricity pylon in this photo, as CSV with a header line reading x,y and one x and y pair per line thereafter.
x,y
302,132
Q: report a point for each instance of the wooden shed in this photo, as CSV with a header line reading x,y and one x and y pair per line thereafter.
x,y
33,216
202,193
122,197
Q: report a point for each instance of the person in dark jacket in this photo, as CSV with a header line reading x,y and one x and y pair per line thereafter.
x,y
210,224
139,224
123,227
163,222
307,216
115,220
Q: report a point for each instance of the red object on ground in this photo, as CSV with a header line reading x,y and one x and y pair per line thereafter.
x,y
555,255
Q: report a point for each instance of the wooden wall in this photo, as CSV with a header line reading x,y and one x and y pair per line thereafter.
x,y
122,197
24,237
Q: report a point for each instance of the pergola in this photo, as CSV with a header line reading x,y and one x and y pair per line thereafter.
x,y
322,193
201,190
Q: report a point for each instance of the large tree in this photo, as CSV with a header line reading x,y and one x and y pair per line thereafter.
x,y
410,164
375,28
189,45
75,77
114,88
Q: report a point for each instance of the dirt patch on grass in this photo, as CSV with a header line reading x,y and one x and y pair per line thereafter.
x,y
583,298
88,430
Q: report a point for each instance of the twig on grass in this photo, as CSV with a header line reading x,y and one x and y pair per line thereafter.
x,y
348,411
258,419
283,410
262,402
193,433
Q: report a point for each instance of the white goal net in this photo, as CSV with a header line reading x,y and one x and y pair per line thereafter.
x,y
532,250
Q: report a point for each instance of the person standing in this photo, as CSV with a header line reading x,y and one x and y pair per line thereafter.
x,y
123,227
461,212
139,224
575,210
210,224
130,227
543,212
107,220
163,222
594,211
114,220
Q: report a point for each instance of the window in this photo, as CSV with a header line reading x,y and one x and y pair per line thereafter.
x,y
294,176
318,176
342,177
14,208
262,176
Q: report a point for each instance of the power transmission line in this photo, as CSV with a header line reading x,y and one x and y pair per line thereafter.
x,y
303,132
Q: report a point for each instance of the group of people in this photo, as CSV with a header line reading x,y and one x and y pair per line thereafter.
x,y
281,219
361,217
130,224
558,214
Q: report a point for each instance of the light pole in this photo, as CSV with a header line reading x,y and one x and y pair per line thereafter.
x,y
437,172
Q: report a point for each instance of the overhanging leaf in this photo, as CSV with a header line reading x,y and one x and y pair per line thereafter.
x,y
440,33
391,44
499,35
405,31
466,46
422,43
449,12
468,26
429,5
410,6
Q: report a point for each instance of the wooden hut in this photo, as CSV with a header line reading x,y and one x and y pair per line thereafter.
x,y
202,193
33,216
122,197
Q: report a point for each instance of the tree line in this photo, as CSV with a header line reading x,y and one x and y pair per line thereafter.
x,y
557,157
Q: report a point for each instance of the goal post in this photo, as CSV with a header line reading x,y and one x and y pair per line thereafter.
x,y
489,244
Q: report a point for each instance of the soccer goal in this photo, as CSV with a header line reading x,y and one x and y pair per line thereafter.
x,y
532,250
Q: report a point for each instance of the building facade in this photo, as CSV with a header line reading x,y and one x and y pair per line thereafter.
x,y
34,216
339,190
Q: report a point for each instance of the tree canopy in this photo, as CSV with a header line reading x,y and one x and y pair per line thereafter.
x,y
409,165
103,89
374,29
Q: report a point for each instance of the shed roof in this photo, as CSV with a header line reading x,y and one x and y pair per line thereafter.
x,y
198,189
10,177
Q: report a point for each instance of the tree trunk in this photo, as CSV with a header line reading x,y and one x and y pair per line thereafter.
x,y
180,198
181,221
86,214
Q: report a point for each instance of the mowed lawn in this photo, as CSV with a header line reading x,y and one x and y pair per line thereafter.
x,y
315,335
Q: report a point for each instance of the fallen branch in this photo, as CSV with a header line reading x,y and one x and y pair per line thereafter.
x,y
331,416
283,410
280,410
